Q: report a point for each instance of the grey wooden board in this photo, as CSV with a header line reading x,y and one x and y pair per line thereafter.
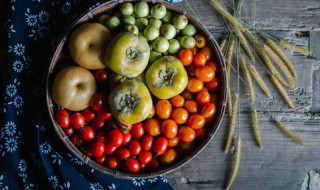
x,y
282,164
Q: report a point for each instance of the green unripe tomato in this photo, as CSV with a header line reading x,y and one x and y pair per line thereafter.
x,y
128,20
151,32
160,44
102,18
189,30
174,46
154,56
126,8
158,11
141,9
187,42
168,31
155,22
112,22
168,17
141,23
180,22
131,28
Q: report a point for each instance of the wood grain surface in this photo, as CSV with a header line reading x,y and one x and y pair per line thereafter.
x,y
282,164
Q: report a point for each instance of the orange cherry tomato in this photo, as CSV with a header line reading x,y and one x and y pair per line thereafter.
x,y
173,142
153,111
214,99
214,84
200,59
203,97
191,70
194,50
169,156
194,85
152,126
208,110
180,115
207,52
200,40
191,106
163,109
186,56
186,134
201,133
196,121
204,73
177,101
169,128
213,65
187,95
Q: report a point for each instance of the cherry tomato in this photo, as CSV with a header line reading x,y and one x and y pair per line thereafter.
x,y
97,124
152,126
177,101
154,164
68,131
207,52
122,153
200,40
169,128
185,147
201,133
133,165
89,114
194,85
104,114
191,70
101,136
199,59
134,147
145,157
98,148
173,141
77,121
160,145
169,156
101,75
214,99
186,56
98,101
126,138
112,162
109,149
115,137
77,140
186,134
87,134
194,50
153,111
63,118
203,97
147,142
204,73
179,115
196,121
208,110
213,65
137,130
187,95
191,106
163,109
101,159
214,84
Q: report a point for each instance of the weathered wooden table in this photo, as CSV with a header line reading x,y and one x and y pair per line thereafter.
x,y
282,164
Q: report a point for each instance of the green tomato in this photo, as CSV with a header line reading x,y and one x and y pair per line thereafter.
x,y
166,77
187,42
168,17
168,31
158,11
160,44
151,32
174,46
131,28
102,18
141,9
180,22
155,22
126,8
127,54
189,30
141,23
128,20
112,22
154,56
130,102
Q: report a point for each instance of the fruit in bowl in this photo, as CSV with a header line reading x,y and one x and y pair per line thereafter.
x,y
157,97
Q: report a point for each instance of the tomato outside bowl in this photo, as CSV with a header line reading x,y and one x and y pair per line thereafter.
x,y
61,58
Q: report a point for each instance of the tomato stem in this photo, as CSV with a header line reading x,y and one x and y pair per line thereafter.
x,y
133,54
127,103
166,77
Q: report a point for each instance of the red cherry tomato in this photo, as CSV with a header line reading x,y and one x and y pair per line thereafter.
x,y
145,157
133,165
154,164
101,76
135,147
126,138
77,121
63,118
122,153
137,130
115,137
98,101
87,134
109,149
68,131
214,84
160,145
77,140
147,142
97,124
101,159
104,114
112,162
89,114
101,136
98,149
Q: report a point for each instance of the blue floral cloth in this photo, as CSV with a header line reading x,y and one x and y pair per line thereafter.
x,y
31,154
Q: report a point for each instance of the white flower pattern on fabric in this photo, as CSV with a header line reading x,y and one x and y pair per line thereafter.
x,y
66,8
96,186
112,187
31,20
163,179
138,182
45,148
153,180
4,187
17,66
43,17
11,90
10,128
19,49
54,181
56,158
22,165
75,160
11,144
18,101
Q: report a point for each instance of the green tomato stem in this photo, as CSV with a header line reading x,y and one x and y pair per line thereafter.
x,y
127,103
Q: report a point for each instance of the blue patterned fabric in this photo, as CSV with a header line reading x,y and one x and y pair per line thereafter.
x,y
31,154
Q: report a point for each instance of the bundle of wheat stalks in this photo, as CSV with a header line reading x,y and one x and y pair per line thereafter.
x,y
271,55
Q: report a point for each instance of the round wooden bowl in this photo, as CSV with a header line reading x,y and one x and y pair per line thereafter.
x,y
61,58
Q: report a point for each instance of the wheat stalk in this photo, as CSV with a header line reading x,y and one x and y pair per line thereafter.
x,y
256,129
286,131
230,57
259,80
249,80
223,45
294,47
233,122
236,164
